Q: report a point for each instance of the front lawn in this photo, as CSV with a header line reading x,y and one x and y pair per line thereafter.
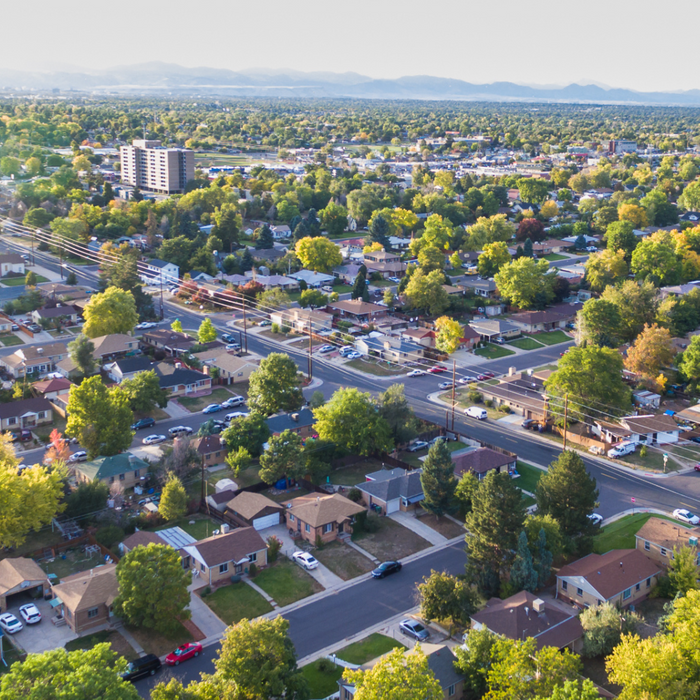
x,y
234,602
343,560
19,281
446,527
552,338
370,648
553,257
322,676
620,534
529,477
8,339
200,529
391,541
286,583
493,352
114,639
195,404
525,344
159,644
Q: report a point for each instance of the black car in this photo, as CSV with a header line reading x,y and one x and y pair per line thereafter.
x,y
388,567
695,439
142,667
143,423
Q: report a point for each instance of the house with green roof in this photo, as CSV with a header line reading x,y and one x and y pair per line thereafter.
x,y
125,468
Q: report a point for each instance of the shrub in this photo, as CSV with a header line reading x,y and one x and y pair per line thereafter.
x,y
286,329
504,409
643,451
253,571
319,542
205,592
354,494
274,544
474,396
109,535
324,665
275,327
488,403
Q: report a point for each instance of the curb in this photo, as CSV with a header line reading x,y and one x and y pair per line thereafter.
x,y
632,511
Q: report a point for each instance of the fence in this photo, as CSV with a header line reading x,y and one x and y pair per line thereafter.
x,y
55,550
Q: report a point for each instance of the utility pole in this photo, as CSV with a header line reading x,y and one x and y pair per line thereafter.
x,y
454,387
566,415
245,325
310,348
162,315
61,253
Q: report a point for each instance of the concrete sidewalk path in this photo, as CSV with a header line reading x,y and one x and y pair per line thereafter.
x,y
415,525
259,590
202,616
174,410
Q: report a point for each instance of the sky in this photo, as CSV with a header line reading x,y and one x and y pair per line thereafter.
x,y
639,44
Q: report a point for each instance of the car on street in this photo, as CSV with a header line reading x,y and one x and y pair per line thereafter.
x,y
143,423
386,569
233,402
228,338
596,518
685,516
476,412
417,446
236,414
180,430
445,385
305,560
416,373
140,668
413,628
696,468
30,613
324,349
154,439
182,653
10,624
468,379
79,456
212,408
488,374
145,326
481,377
437,369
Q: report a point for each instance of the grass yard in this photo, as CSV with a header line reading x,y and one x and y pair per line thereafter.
x,y
553,257
159,644
286,495
75,561
391,541
525,344
343,560
369,648
10,654
195,404
529,477
376,369
8,339
620,534
286,583
36,542
414,458
247,477
493,352
201,527
354,474
322,676
43,431
234,602
114,639
445,526
552,338
19,281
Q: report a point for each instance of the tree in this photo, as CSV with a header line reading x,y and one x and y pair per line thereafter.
x,y
655,259
426,292
603,626
535,525
637,305
689,362
275,298
525,282
9,166
600,323
100,418
494,523
239,460
523,575
431,258
176,326
257,662
575,690
87,498
30,280
68,675
109,312
275,386
173,500
446,597
682,570
351,419
283,457
71,279
152,588
396,675
438,480
334,218
313,298
359,287
532,229
206,332
543,559
569,494
592,378
379,231
449,334
397,412
636,215
549,209
464,492
533,189
81,351
651,352
606,267
318,253
528,251
494,257
689,200
265,241
493,229
249,432
620,236
144,392
474,661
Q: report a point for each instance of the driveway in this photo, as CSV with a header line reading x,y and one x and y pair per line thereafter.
x,y
202,616
43,636
415,525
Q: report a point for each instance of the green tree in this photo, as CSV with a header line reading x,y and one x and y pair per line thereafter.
x,y
100,418
535,524
334,218
81,351
89,497
152,588
575,690
426,292
379,231
351,419
534,190
206,332
600,323
474,661
144,392
71,279
318,253
239,460
313,298
528,249
489,230
9,165
494,257
265,240
176,326
569,494
446,597
523,576
109,312
431,258
396,675
275,386
275,298
317,399
228,223
173,500
68,675
464,491
493,526
620,236
603,627
655,259
543,559
438,480
249,432
637,305
282,458
606,267
398,414
526,283
37,217
359,287
689,362
449,334
30,279
683,571
690,199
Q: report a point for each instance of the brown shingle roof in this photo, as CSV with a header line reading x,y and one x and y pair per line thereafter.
x,y
480,461
233,546
49,385
650,424
142,538
317,510
207,445
357,306
88,590
14,571
667,534
248,505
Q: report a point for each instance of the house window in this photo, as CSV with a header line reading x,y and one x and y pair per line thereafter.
x,y
136,473
223,568
307,527
637,587
93,612
627,593
252,558
111,479
648,582
327,528
121,477
564,585
451,691
41,414
664,553
579,591
11,421
647,546
202,567
291,518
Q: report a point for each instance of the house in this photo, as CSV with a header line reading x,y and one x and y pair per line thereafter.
x,y
219,557
86,598
11,264
312,279
172,342
551,245
180,381
25,414
63,292
210,449
125,468
522,615
357,311
18,578
645,430
51,388
491,329
646,399
56,313
523,396
381,256
218,500
159,272
385,263
111,347
470,338
657,539
232,369
420,336
174,537
255,510
37,359
480,287
127,367
281,231
301,320
548,320
482,460
622,577
267,281
390,490
300,422
324,518
391,348
347,273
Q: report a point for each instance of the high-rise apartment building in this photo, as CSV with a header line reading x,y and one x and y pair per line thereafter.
x,y
149,166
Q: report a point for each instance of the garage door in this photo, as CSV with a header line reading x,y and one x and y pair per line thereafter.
x,y
267,521
392,506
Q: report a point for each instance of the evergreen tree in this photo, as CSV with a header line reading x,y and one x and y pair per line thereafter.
x,y
519,252
379,231
265,240
296,220
544,558
71,279
523,575
301,230
313,225
365,294
527,248
246,260
438,480
360,285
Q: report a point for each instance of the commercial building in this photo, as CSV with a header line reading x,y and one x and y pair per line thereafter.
x,y
149,166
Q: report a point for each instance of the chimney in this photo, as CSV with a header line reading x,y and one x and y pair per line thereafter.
x,y
512,371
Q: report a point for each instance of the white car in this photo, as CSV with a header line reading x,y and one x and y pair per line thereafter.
x,y
354,355
445,385
416,373
417,446
233,402
180,430
232,347
145,326
154,439
595,518
685,516
10,624
305,560
236,414
30,613
80,456
324,349
467,380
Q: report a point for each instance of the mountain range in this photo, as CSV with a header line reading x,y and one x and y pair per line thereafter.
x,y
170,79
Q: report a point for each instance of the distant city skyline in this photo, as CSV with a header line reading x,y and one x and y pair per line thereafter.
x,y
641,46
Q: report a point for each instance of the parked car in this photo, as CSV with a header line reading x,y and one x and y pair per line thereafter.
x,y
596,450
591,249
437,439
141,667
489,374
417,446
595,518
180,430
145,326
354,355
445,385
327,288
233,347
305,560
395,280
416,373
20,435
386,569
154,439
696,439
624,448
212,408
143,423
437,369
30,613
346,350
10,624
529,424
325,349
499,341
228,338
182,653
265,322
413,628
476,412
467,379
79,456
233,402
685,516
236,414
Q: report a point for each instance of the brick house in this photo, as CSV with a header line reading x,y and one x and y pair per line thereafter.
x,y
181,381
300,422
357,311
25,414
657,539
481,461
231,369
317,516
39,359
125,468
210,449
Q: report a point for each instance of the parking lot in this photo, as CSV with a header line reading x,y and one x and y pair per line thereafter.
x,y
43,636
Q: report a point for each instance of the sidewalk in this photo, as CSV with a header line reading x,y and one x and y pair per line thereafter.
x,y
204,618
174,410
415,525
130,639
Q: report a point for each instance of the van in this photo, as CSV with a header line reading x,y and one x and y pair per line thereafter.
x,y
476,412
624,448
327,288
141,667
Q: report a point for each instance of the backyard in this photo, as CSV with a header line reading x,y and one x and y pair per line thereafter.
x,y
620,534
245,477
343,560
71,561
353,474
197,403
199,526
391,541
493,352
234,602
286,583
